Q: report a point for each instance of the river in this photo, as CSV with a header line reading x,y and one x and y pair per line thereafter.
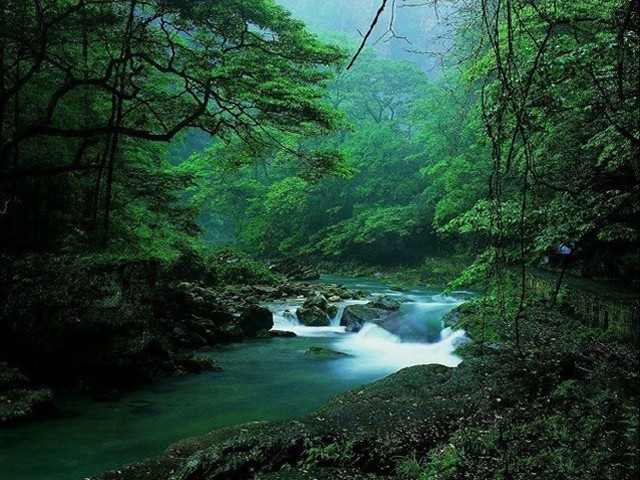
x,y
269,379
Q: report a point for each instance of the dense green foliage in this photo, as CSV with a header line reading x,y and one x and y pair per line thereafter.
x,y
528,142
408,147
138,137
90,88
560,102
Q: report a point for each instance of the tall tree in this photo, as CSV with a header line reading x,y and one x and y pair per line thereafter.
x,y
80,79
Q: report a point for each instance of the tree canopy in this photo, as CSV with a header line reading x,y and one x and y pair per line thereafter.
x,y
92,82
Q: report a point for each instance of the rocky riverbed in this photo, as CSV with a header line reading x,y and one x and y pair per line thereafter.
x,y
120,328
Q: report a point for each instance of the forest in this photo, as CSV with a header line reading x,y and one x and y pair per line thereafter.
x,y
289,239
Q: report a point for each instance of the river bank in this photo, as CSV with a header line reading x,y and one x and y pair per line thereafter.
x,y
104,325
503,411
565,408
267,377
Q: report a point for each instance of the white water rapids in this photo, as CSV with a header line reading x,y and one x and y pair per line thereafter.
x,y
376,350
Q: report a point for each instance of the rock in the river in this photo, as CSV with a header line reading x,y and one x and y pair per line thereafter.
x,y
319,301
325,353
313,317
409,328
316,312
385,303
254,319
229,332
355,316
334,298
197,362
282,333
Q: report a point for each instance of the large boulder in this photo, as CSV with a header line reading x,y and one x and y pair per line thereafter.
x,y
254,319
378,310
385,303
355,316
319,301
316,311
229,332
313,317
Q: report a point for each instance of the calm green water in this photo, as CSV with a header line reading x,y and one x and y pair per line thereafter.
x,y
262,380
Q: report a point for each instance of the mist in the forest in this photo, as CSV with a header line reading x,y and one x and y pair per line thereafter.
x,y
416,31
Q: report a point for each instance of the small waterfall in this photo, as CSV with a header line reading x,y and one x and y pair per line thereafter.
x,y
374,350
411,336
373,334
335,321
285,319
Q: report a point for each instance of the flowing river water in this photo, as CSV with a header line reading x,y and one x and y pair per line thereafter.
x,y
269,379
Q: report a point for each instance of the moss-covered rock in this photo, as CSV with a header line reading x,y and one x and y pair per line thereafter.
x,y
313,316
325,353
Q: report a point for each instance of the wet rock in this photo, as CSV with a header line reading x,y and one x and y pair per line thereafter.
x,y
313,317
385,303
201,326
193,340
282,333
325,353
197,362
229,332
319,301
262,334
334,298
254,319
316,311
355,316
409,329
